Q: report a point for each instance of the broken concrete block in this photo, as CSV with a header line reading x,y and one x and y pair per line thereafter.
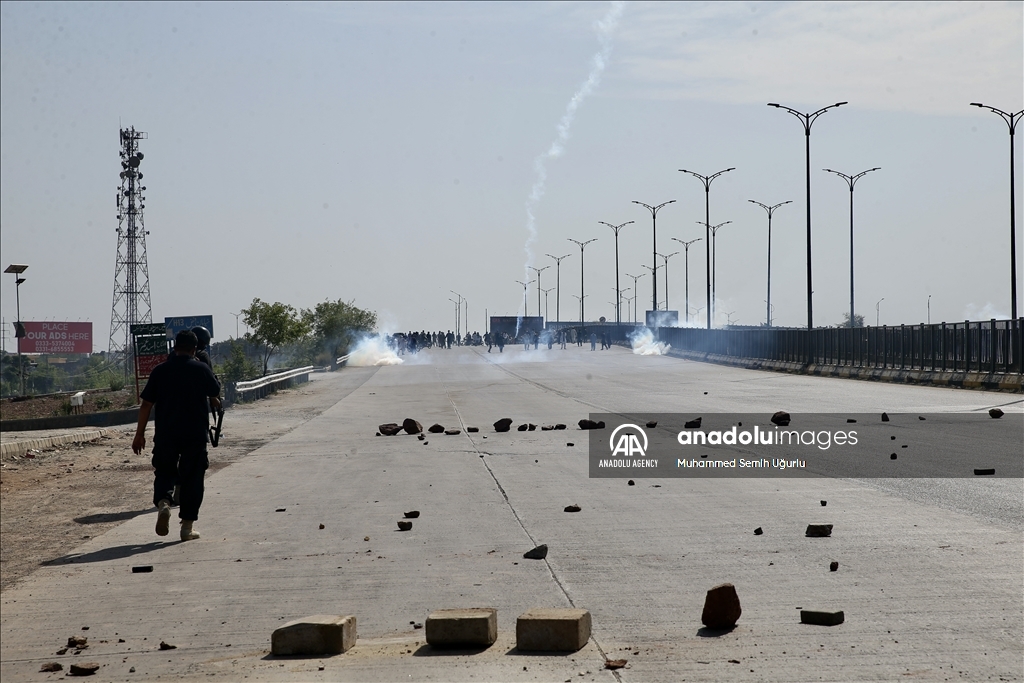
x,y
885,417
824,503
572,508
818,530
412,514
817,618
781,418
833,566
531,427
389,429
547,428
615,663
921,417
51,666
982,472
995,413
758,531
522,428
503,425
411,426
452,432
78,642
435,428
587,424
693,424
892,456
631,483
472,430
570,444
404,525
721,607
84,669
559,426
167,646
421,437
474,627
320,634
652,424
538,553
552,630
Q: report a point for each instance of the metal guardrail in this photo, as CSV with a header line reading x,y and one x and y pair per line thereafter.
x,y
258,388
344,359
995,346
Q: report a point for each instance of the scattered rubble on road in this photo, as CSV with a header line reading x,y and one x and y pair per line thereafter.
x,y
538,553
721,607
818,530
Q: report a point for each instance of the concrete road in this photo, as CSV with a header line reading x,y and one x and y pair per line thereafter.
x,y
929,578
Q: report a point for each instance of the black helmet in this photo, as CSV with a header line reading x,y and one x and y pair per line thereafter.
x,y
203,335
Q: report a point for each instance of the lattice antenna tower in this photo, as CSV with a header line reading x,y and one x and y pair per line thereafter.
x,y
131,274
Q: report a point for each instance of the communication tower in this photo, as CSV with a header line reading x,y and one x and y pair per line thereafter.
x,y
131,274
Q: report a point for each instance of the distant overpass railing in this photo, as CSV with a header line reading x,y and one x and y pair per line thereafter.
x,y
994,346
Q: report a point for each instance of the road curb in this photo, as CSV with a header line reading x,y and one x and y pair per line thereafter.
x,y
24,445
959,380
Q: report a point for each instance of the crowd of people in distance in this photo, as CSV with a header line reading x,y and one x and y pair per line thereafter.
x,y
412,342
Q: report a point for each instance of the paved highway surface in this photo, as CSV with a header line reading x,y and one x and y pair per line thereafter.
x,y
930,570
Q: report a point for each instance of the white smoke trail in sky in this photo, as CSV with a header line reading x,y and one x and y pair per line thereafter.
x,y
604,28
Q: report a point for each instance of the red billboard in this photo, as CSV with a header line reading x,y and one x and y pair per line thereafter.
x,y
56,337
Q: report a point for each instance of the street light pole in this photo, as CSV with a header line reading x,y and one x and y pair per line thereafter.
x,y
17,269
538,271
1011,119
526,309
770,210
686,257
616,228
851,180
708,246
654,278
636,293
583,295
558,283
807,120
458,314
929,309
654,250
877,304
549,289
667,257
713,229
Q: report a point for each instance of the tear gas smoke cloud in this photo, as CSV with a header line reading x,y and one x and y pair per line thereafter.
x,y
644,344
371,351
605,28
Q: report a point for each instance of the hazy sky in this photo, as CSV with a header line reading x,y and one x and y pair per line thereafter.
x,y
386,154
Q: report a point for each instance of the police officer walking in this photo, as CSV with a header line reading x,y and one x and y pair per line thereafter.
x,y
180,389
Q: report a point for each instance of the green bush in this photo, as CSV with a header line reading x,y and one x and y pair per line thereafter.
x,y
103,403
116,382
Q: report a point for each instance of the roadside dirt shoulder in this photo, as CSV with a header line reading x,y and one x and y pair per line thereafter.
x,y
53,500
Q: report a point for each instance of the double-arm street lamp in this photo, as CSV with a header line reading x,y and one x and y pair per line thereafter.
x,y
713,229
807,120
1011,119
17,269
851,180
558,283
538,271
686,258
636,292
666,257
583,295
526,308
618,296
549,289
654,251
706,180
770,210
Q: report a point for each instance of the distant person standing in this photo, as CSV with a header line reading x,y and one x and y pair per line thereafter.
x,y
500,339
593,341
181,388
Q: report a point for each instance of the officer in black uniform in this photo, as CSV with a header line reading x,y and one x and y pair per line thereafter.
x,y
182,388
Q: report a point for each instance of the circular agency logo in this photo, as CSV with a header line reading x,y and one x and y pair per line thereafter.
x,y
628,444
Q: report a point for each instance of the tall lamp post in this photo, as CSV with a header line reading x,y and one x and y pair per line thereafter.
x,y
654,279
458,314
686,257
707,180
807,120
558,283
526,308
538,271
851,180
17,269
770,210
654,250
582,246
877,304
636,292
618,296
580,299
666,257
713,229
549,289
458,310
1011,119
